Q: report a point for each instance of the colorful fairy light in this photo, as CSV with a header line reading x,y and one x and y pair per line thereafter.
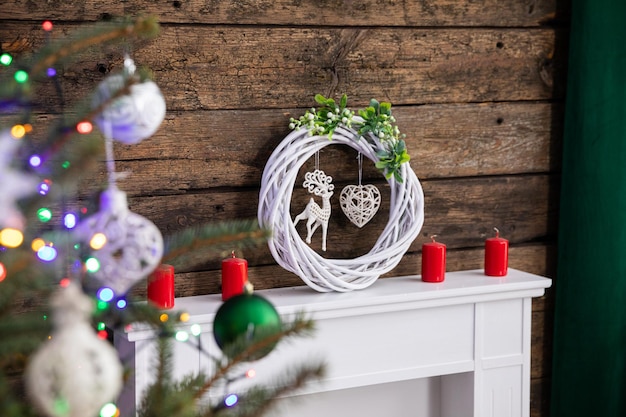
x,y
105,294
164,317
184,317
103,334
109,410
65,282
84,127
20,76
195,329
65,164
44,214
18,131
37,244
92,265
47,25
11,238
181,336
102,305
47,253
121,304
35,161
3,272
98,241
6,59
101,326
44,187
51,72
251,373
70,220
231,400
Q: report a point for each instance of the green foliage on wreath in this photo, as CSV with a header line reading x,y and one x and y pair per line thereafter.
x,y
375,120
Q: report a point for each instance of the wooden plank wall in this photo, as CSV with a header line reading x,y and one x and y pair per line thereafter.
x,y
477,86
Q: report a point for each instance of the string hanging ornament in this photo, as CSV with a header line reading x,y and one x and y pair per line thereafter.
x,y
360,202
319,184
74,373
128,246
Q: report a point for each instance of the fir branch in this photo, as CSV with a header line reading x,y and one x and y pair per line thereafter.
x,y
146,27
259,399
192,245
299,327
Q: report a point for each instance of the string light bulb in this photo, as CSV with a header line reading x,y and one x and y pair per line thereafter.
x,y
11,238
84,127
231,400
92,265
20,76
47,253
98,241
70,220
105,294
47,25
44,214
18,131
37,244
6,59
109,410
34,161
195,329
3,272
181,336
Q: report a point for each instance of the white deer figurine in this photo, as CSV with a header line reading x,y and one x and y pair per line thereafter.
x,y
319,184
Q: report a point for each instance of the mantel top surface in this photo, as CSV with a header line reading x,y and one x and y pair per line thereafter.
x,y
387,291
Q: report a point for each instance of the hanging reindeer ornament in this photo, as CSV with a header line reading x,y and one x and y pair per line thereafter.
x,y
318,183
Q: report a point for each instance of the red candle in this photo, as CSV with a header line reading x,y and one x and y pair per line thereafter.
x,y
496,256
234,276
161,287
433,261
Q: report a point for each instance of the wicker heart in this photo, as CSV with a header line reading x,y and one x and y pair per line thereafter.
x,y
360,203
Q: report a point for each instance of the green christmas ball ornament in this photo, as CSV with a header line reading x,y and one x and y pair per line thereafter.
x,y
244,320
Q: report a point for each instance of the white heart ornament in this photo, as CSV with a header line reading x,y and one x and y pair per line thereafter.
x,y
360,203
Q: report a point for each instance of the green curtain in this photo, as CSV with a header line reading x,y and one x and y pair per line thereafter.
x,y
589,357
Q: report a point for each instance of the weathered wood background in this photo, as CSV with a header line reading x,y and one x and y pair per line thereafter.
x,y
477,86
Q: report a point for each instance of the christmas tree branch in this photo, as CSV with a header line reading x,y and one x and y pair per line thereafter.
x,y
259,399
299,327
190,246
147,27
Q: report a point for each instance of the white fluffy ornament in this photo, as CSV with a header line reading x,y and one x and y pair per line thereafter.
x,y
13,184
127,245
75,373
134,116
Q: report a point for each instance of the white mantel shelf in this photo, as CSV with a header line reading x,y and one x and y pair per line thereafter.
x,y
466,339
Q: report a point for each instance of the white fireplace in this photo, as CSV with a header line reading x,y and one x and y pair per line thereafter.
x,y
401,347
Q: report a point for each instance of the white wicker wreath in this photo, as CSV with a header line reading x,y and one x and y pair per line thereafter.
x,y
406,215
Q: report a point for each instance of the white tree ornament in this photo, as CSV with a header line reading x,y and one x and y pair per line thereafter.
x,y
133,245
74,373
406,215
13,184
134,116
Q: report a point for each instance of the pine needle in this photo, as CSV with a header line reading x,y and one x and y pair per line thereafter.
x,y
195,245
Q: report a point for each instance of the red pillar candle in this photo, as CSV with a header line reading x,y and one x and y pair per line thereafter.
x,y
433,261
496,256
234,276
161,287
